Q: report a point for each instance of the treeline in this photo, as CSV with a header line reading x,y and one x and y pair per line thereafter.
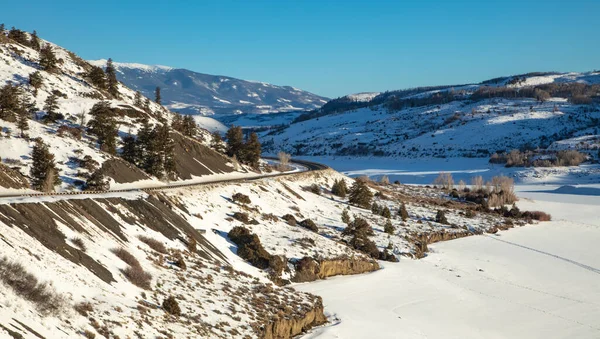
x,y
245,150
576,93
516,158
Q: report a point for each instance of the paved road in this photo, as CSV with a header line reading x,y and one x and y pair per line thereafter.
x,y
310,166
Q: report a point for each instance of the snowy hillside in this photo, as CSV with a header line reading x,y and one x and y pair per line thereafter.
x,y
190,92
75,96
467,120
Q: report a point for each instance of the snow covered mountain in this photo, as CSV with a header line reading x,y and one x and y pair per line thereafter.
x,y
533,110
190,92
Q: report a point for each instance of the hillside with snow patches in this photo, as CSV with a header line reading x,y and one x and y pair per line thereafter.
x,y
452,121
76,96
191,92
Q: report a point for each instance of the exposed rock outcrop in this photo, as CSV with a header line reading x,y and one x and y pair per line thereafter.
x,y
283,328
308,269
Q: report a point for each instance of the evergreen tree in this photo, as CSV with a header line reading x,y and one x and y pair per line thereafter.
x,y
402,212
157,98
19,36
339,188
36,81
104,125
216,142
144,140
137,100
44,174
441,217
147,108
51,108
9,102
345,216
360,194
35,41
130,152
386,213
252,151
111,79
23,118
177,122
375,209
360,230
48,60
235,141
170,165
189,127
388,227
97,182
97,77
2,28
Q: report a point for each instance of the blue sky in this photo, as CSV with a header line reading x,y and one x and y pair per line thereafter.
x,y
331,48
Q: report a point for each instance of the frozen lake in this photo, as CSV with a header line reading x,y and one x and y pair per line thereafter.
x,y
537,281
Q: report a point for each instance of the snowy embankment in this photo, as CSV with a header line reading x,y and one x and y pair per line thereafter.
x,y
538,281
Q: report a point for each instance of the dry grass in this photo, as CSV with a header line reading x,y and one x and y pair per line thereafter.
x,y
26,285
445,180
84,308
154,244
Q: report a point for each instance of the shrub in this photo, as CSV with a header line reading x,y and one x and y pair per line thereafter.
x,y
375,209
309,225
26,285
441,217
249,247
138,276
171,306
314,188
384,180
127,257
241,216
241,198
290,219
179,262
537,215
79,243
570,158
84,308
154,244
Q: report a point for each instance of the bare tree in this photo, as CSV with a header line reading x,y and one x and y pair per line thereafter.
x,y
284,160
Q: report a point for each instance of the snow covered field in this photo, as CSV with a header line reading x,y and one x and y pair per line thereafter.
x,y
537,281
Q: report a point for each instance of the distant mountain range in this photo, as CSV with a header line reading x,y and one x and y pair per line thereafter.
x,y
190,92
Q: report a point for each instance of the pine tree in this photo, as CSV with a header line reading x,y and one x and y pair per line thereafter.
x,y
2,28
23,118
130,152
339,188
18,36
48,59
137,100
36,81
35,41
345,217
9,102
216,142
157,98
51,108
402,212
388,227
97,182
386,213
104,125
189,127
147,108
235,141
44,174
97,77
252,151
111,79
360,194
169,159
177,123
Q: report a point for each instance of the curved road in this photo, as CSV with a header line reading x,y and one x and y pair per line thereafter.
x,y
310,166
